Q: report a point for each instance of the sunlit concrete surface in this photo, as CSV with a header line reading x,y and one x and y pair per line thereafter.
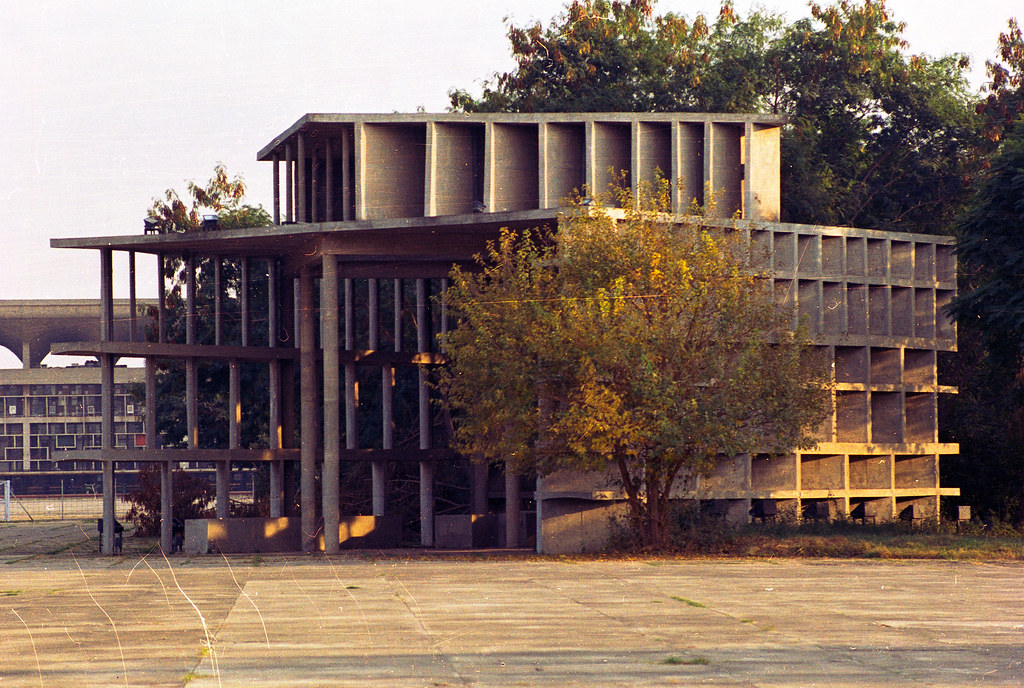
x,y
294,620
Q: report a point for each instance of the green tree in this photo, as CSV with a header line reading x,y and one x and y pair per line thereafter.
x,y
644,347
223,197
990,311
877,138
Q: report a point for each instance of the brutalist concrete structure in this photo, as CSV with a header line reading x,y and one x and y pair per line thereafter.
x,y
44,411
374,210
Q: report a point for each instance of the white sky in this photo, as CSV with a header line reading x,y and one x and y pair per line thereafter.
x,y
109,102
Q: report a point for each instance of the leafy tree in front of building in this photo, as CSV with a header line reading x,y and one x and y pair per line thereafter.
x,y
634,347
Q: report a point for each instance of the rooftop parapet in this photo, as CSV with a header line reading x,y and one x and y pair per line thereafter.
x,y
342,167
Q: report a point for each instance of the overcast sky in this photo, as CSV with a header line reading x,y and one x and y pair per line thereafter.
x,y
107,103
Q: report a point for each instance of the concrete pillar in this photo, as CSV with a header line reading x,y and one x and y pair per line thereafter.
x,y
512,511
301,181
218,301
107,443
133,335
26,355
161,306
166,507
243,298
274,388
378,479
332,431
308,410
289,183
107,398
426,468
276,184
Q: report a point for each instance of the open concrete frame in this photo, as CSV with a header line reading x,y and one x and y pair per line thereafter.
x,y
392,201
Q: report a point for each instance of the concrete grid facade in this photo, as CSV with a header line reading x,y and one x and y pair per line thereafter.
x,y
45,410
375,209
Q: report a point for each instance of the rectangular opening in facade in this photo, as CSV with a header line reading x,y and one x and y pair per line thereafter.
x,y
944,325
945,263
852,364
832,255
822,472
393,170
870,472
566,162
769,472
902,260
690,166
886,417
919,367
808,254
613,155
856,257
851,417
515,167
810,304
785,252
857,308
761,248
786,294
878,258
654,152
727,168
920,413
924,313
878,310
833,309
915,508
924,262
902,299
458,168
916,472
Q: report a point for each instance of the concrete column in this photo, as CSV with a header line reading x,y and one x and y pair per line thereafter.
x,y
243,298
276,184
512,511
234,437
351,383
218,301
107,398
301,181
161,306
329,174
274,387
314,183
107,443
289,183
166,507
132,320
190,299
191,364
308,410
378,479
332,431
426,468
26,355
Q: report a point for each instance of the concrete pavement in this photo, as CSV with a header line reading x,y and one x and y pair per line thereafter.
x,y
465,621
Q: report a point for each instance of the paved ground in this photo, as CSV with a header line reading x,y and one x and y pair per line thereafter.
x,y
78,619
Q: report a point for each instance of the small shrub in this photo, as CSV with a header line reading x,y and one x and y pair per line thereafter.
x,y
192,498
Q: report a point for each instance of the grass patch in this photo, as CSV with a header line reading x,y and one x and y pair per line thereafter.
x,y
692,603
10,593
352,587
846,540
686,661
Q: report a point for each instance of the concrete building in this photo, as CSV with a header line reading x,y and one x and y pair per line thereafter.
x,y
46,410
374,209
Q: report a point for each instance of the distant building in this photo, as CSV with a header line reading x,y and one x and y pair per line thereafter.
x,y
374,209
45,410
